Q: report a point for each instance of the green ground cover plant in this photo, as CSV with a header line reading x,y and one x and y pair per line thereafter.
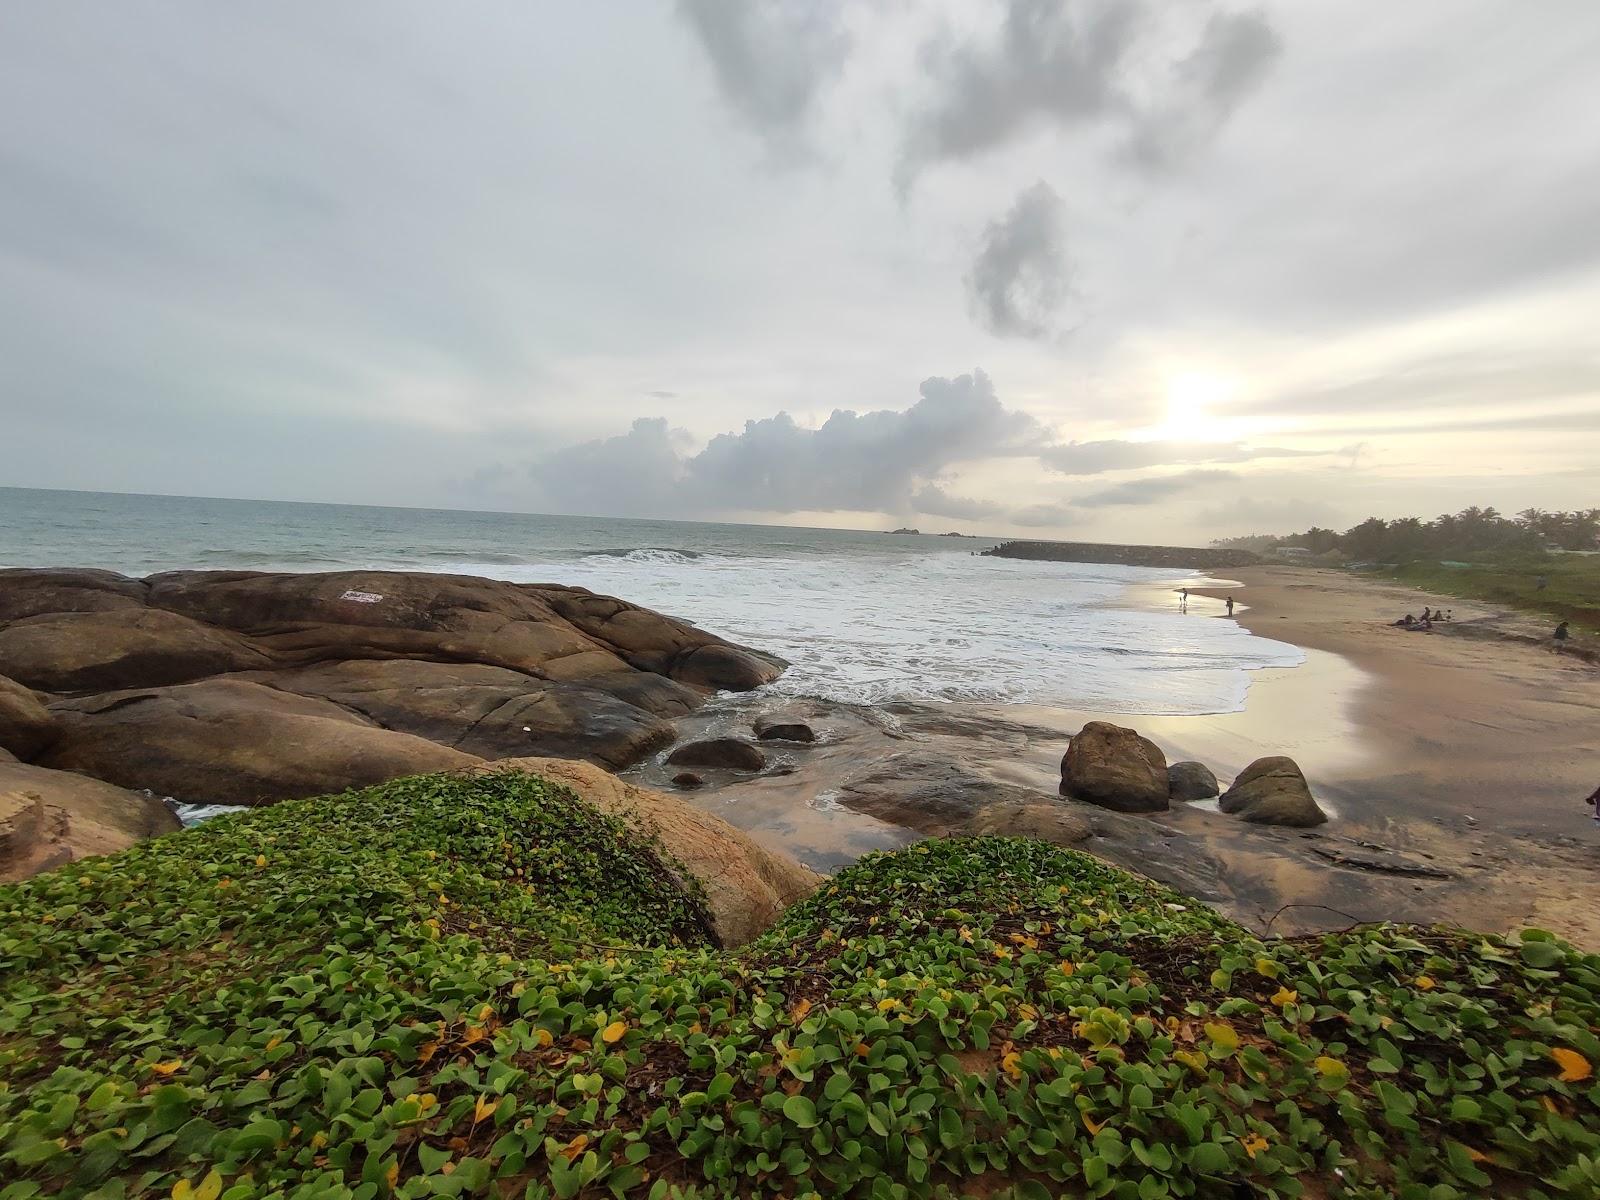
x,y
463,987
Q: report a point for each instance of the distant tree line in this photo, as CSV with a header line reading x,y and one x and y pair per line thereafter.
x,y
1472,532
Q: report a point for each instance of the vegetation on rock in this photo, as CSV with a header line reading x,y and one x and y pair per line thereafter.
x,y
447,986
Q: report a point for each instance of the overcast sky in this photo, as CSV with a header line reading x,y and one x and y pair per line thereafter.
x,y
1146,271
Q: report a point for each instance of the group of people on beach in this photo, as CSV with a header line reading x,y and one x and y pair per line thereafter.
x,y
1429,618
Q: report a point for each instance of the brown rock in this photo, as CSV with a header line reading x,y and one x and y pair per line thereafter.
x,y
26,726
1189,781
747,886
934,797
52,817
490,712
733,753
1115,768
1273,791
688,779
1045,820
229,741
30,591
118,648
778,728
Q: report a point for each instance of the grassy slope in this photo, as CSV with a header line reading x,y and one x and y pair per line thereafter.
x,y
1573,592
450,987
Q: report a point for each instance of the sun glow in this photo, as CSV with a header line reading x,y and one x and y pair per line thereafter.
x,y
1190,396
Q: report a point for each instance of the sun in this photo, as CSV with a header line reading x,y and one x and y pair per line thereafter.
x,y
1190,396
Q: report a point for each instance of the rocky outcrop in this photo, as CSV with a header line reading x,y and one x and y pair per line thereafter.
x,y
52,817
231,741
781,728
26,726
688,780
732,753
747,886
490,712
1188,781
1114,767
1048,821
1273,791
247,687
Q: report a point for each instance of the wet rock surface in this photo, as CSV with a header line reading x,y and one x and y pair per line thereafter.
x,y
732,753
1114,767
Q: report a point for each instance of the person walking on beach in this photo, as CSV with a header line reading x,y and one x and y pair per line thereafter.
x,y
1183,599
1230,606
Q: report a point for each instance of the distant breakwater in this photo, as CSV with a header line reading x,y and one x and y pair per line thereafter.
x,y
1211,559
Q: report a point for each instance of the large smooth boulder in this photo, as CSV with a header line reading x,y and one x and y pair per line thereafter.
x,y
1273,791
937,797
48,818
118,648
1188,781
1114,767
491,712
230,741
747,886
26,726
777,727
732,753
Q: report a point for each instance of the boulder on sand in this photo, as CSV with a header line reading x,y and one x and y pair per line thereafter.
x,y
1191,781
731,752
780,728
48,818
747,886
26,726
1114,767
1048,821
229,741
1273,791
688,779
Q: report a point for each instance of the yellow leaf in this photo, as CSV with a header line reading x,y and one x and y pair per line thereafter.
x,y
1266,967
1474,1155
1223,1035
392,1175
167,1068
543,1038
482,1109
1067,968
1284,997
1011,1064
1574,1066
1002,952
1330,1067
182,1190
224,882
210,1187
1091,1124
1424,982
613,1032
575,1147
319,1140
1028,1012
1254,1144
1195,1060
274,1042
887,1003
862,1049
485,1013
261,860
799,1011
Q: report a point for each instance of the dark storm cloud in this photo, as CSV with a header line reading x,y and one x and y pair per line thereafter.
x,y
1065,66
1153,491
1019,278
1235,53
936,502
853,462
771,58
1095,458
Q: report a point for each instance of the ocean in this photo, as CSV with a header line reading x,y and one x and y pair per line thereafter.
x,y
863,617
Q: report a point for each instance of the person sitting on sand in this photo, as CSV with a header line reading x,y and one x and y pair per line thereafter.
x,y
1426,615
1594,799
1406,622
1561,635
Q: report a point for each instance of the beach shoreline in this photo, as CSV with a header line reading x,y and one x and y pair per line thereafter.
x,y
1459,756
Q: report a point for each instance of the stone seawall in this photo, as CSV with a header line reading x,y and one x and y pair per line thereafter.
x,y
1197,558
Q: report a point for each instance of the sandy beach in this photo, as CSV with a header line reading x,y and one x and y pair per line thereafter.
x,y
1452,762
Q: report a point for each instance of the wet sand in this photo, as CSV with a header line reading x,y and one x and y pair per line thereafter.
x,y
1456,754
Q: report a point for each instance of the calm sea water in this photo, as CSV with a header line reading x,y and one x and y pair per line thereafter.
x,y
864,617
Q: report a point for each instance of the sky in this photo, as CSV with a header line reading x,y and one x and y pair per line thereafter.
x,y
1159,271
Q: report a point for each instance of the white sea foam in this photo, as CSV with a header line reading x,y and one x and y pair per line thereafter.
x,y
948,626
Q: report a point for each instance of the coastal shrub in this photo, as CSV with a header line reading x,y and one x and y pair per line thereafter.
x,y
462,987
